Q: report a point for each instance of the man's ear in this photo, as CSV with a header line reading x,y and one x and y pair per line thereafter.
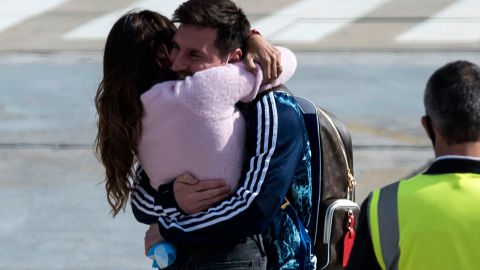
x,y
427,125
424,122
235,55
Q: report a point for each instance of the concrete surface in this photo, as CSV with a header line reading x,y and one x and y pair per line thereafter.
x,y
348,25
53,208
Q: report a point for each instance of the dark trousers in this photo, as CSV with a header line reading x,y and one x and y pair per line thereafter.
x,y
246,255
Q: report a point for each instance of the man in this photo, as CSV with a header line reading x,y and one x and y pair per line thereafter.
x,y
431,220
278,157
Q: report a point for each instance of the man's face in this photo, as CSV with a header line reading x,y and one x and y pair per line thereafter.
x,y
194,50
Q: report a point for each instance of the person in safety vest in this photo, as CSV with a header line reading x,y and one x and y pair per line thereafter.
x,y
432,220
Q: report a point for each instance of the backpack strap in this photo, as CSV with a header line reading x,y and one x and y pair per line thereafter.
x,y
351,180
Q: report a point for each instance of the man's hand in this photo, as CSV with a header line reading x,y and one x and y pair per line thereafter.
x,y
194,196
152,236
262,52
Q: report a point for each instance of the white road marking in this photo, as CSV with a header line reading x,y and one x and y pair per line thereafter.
x,y
99,28
309,21
14,12
459,22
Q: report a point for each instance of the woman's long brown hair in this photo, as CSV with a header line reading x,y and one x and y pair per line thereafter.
x,y
135,58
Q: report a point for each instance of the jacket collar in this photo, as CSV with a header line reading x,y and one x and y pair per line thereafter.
x,y
454,164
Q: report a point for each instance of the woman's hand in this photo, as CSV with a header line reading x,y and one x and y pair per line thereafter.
x,y
260,51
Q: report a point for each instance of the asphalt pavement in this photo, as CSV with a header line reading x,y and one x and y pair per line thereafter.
x,y
54,210
369,67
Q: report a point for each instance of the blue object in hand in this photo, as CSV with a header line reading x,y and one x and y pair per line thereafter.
x,y
163,254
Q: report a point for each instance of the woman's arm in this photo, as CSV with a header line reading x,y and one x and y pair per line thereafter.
x,y
259,50
289,62
215,91
289,65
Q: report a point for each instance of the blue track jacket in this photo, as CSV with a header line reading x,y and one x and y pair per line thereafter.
x,y
278,160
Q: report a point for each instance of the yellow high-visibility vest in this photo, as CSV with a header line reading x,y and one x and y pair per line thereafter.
x,y
427,222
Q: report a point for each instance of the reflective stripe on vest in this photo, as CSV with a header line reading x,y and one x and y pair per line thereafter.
x,y
384,228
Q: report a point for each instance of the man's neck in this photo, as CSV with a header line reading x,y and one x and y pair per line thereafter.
x,y
470,149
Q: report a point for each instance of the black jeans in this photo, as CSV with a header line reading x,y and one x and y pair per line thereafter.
x,y
246,255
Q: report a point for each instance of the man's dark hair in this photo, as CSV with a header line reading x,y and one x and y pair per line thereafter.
x,y
231,23
452,101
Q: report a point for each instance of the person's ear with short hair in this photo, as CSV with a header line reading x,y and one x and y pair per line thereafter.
x,y
235,56
427,125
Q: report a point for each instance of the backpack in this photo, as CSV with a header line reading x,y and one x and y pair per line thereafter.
x,y
332,226
327,241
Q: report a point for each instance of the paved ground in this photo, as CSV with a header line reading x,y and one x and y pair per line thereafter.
x,y
53,208
82,25
366,62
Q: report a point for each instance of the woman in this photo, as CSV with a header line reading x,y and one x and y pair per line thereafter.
x,y
145,116
135,58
